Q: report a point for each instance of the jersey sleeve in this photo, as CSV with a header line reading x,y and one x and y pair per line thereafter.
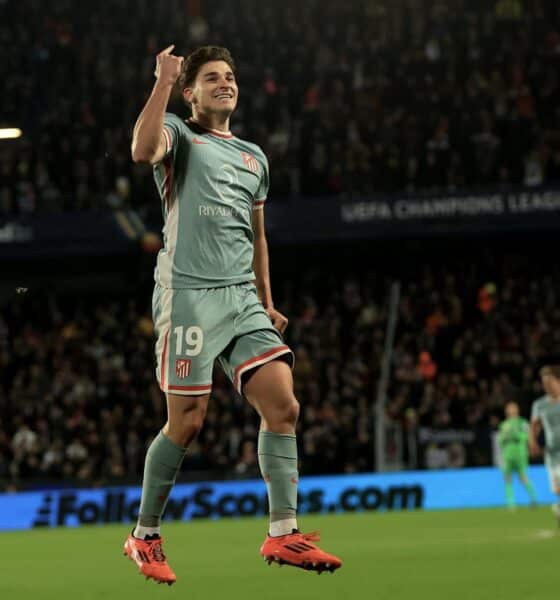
x,y
174,134
264,184
535,411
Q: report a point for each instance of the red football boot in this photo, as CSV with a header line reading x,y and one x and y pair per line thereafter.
x,y
296,549
149,556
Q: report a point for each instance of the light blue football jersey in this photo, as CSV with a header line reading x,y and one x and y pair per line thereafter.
x,y
209,183
548,413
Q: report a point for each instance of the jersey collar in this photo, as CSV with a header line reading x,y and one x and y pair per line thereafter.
x,y
228,135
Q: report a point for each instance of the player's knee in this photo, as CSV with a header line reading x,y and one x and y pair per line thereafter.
x,y
188,423
289,410
193,423
195,419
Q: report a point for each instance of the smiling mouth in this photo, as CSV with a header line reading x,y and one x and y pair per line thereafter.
x,y
224,97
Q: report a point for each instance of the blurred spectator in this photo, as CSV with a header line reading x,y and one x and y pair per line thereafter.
x,y
417,96
426,365
79,399
423,96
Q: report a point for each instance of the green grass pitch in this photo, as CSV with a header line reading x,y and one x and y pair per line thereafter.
x,y
459,555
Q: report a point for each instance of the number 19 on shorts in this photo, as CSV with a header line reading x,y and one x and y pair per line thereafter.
x,y
188,340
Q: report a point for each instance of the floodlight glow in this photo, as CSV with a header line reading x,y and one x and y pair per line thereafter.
x,y
10,133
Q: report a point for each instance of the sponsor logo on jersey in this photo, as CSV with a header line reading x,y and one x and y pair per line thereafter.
x,y
183,367
250,162
205,210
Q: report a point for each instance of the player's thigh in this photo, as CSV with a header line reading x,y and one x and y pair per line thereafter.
x,y
522,467
517,465
257,361
186,410
270,391
522,474
512,466
247,354
192,327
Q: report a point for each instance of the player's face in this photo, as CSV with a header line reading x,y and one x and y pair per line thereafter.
x,y
551,385
512,410
215,89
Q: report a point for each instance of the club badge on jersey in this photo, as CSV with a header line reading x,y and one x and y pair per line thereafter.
x,y
250,162
183,367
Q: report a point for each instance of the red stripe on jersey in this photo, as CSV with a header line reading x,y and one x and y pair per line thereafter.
x,y
163,358
168,182
259,203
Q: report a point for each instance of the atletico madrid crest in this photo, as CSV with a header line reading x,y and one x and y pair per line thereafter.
x,y
183,367
250,162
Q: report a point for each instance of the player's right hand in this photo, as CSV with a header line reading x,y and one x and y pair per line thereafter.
x,y
534,449
168,66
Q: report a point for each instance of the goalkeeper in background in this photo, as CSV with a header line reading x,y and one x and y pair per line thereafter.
x,y
513,437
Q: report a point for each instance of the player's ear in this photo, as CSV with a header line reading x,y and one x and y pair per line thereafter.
x,y
188,95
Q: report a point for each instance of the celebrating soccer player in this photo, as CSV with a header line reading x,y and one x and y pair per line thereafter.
x,y
546,414
512,438
212,301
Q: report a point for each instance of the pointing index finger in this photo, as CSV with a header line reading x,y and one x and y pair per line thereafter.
x,y
168,50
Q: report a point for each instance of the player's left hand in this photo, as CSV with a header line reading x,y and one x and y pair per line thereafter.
x,y
279,321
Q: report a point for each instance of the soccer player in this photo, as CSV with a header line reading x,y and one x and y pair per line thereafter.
x,y
513,437
545,415
212,301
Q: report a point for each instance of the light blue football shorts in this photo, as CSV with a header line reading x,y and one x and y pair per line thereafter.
x,y
196,327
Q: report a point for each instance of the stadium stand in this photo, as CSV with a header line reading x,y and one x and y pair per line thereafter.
x,y
79,394
458,98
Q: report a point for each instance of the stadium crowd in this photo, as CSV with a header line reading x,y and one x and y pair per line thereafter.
x,y
79,400
345,98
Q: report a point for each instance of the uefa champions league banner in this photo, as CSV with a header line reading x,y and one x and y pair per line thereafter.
x,y
340,218
296,220
429,490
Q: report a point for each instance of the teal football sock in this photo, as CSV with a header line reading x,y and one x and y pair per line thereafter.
x,y
279,467
163,461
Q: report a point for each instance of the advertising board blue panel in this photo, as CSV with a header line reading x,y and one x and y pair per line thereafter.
x,y
429,490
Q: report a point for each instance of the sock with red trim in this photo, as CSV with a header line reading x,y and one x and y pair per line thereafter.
x,y
163,461
278,459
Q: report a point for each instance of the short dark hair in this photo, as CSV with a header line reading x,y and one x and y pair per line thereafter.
x,y
553,370
199,57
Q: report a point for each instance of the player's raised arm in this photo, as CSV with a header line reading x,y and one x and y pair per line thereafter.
x,y
148,141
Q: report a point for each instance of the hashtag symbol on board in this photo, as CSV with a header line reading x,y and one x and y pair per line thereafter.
x,y
44,512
